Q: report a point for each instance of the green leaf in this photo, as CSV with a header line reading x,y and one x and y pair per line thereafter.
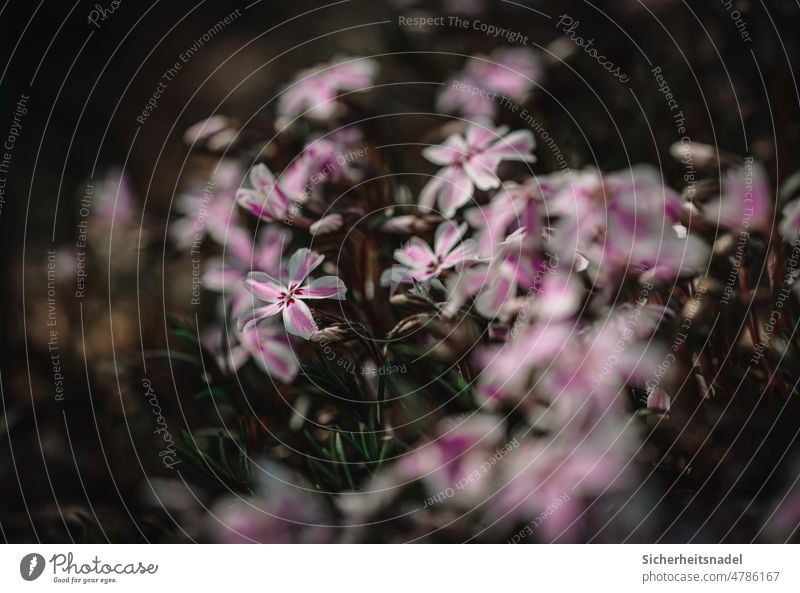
x,y
212,392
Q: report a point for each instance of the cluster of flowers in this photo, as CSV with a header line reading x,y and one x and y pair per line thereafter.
x,y
570,276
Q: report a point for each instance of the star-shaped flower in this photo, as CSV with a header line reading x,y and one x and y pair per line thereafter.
x,y
288,299
471,161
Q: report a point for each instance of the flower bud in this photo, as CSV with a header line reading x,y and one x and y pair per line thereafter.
x,y
327,224
658,400
411,301
408,325
333,334
215,133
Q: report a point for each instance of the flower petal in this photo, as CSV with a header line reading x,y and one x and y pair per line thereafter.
x,y
302,263
481,134
447,236
456,191
272,207
249,319
517,146
278,360
264,286
236,358
269,248
221,275
465,251
416,254
448,153
327,287
272,352
298,319
481,170
427,197
261,177
491,303
327,224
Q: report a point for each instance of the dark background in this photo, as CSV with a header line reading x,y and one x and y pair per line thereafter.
x,y
73,470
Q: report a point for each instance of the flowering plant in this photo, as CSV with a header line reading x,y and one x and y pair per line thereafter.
x,y
493,341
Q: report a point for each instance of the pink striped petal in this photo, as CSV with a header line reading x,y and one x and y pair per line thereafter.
x,y
481,170
296,179
415,254
453,149
322,105
276,358
261,177
492,300
237,356
249,319
264,286
302,263
238,242
269,248
298,319
481,136
273,207
427,197
220,276
352,74
447,235
463,286
456,191
465,251
290,102
206,128
421,275
560,295
327,287
327,224
517,146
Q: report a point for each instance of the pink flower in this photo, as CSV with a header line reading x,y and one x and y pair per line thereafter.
x,y
315,90
509,72
267,344
459,450
567,376
517,264
216,132
662,259
641,187
267,199
552,481
289,299
225,274
658,400
208,210
327,224
745,202
270,348
507,372
115,200
421,263
624,224
312,167
284,509
471,161
333,159
516,206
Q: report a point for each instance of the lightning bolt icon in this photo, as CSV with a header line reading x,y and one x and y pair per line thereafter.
x,y
34,562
